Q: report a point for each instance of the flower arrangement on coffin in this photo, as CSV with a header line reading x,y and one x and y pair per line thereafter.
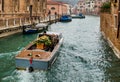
x,y
43,42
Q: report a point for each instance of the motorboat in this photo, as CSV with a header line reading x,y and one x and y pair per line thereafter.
x,y
65,18
78,16
41,53
34,28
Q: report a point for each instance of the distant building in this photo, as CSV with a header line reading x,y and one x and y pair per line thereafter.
x,y
81,7
89,6
98,4
57,7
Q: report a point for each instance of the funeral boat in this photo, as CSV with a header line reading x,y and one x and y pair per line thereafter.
x,y
41,53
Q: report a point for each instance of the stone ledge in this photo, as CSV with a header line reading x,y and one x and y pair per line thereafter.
x,y
115,50
10,31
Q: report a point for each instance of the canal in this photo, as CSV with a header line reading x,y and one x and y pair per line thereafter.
x,y
84,57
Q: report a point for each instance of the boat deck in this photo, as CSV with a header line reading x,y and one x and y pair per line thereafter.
x,y
36,54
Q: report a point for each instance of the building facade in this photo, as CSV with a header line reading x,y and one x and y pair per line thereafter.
x,y
16,13
90,6
81,5
57,7
97,6
16,8
110,26
19,12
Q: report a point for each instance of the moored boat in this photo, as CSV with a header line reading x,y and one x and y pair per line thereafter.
x,y
34,28
41,53
65,18
78,16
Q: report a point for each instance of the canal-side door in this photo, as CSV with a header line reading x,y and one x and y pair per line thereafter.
x,y
2,5
30,9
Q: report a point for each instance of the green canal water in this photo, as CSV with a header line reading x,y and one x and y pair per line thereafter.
x,y
84,57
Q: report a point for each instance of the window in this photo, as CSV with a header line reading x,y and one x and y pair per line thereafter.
x,y
52,8
2,5
116,22
27,4
115,1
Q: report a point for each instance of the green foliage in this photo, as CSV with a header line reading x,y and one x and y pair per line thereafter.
x,y
106,7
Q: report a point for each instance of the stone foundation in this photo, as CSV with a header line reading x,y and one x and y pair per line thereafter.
x,y
14,25
109,31
10,31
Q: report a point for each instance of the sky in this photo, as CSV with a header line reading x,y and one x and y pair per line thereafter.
x,y
72,2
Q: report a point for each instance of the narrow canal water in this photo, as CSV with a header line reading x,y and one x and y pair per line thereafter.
x,y
84,57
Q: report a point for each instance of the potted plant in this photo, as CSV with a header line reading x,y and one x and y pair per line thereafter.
x,y
106,7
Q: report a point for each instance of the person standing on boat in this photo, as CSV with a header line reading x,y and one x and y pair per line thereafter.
x,y
49,13
44,33
55,16
31,60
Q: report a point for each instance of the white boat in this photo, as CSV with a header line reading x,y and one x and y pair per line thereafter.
x,y
41,25
35,28
40,57
78,16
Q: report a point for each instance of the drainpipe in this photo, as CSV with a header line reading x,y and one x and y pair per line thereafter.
x,y
118,19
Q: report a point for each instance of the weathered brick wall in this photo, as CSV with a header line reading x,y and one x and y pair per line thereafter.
x,y
16,8
108,28
2,23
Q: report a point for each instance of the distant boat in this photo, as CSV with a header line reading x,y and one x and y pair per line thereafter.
x,y
42,56
65,18
78,16
30,29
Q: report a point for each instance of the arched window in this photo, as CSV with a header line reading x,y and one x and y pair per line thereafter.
x,y
52,8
